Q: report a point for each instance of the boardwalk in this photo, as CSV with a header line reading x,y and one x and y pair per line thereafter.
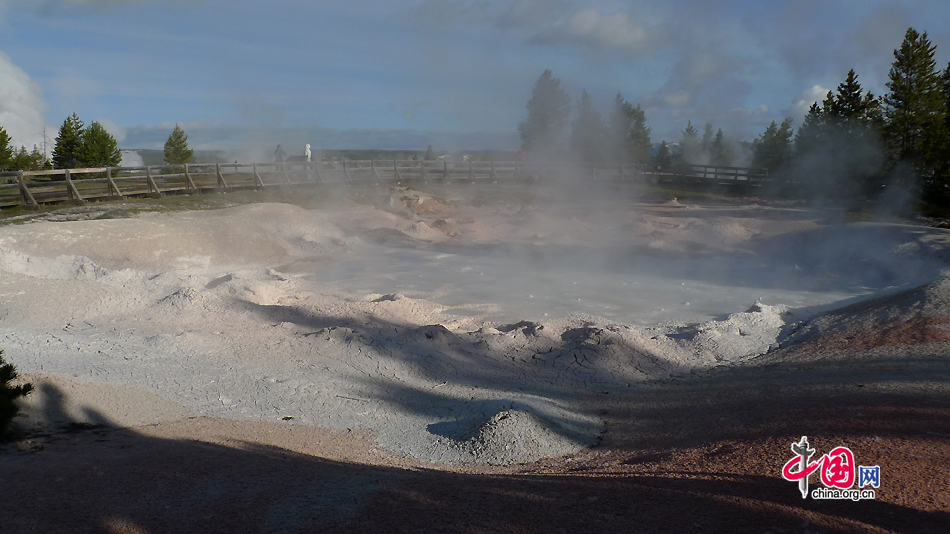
x,y
33,188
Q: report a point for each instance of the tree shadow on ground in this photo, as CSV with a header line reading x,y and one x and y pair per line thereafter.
x,y
119,480
698,454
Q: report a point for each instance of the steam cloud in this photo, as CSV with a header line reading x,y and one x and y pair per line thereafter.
x,y
21,105
590,28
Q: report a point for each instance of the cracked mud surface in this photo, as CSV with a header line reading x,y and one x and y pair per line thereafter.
x,y
214,371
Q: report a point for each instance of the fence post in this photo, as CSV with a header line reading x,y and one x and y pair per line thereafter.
x,y
445,170
396,177
25,192
346,172
471,172
493,175
283,170
257,176
191,183
375,172
217,172
423,165
316,169
71,187
112,185
151,182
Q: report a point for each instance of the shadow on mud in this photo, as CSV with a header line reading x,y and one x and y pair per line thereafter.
x,y
110,479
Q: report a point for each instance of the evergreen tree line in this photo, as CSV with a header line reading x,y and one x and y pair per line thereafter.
x,y
856,144
78,146
12,159
851,143
622,137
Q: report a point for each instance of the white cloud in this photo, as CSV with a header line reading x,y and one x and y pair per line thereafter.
x,y
804,100
589,28
21,105
114,129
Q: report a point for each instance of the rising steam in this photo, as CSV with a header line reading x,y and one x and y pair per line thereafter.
x,y
21,105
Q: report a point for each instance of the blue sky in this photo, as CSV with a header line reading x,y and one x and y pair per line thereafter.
x,y
452,73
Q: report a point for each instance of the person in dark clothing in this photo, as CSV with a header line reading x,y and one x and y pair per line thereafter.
x,y
279,154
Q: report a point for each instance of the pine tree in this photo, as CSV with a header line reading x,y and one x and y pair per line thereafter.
x,y
848,103
943,150
99,148
852,112
946,95
640,145
720,153
838,148
548,110
915,108
9,393
176,148
812,135
588,133
773,149
6,150
30,161
629,135
618,129
689,147
68,143
708,138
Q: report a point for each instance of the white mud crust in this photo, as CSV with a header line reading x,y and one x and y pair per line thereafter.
x,y
231,314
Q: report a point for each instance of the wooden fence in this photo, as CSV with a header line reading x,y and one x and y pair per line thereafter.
x,y
32,188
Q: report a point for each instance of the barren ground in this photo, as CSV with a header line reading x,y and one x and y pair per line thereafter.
x,y
269,367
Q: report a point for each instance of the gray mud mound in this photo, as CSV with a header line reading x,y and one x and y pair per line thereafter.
x,y
514,436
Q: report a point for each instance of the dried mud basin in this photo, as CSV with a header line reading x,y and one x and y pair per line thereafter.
x,y
361,333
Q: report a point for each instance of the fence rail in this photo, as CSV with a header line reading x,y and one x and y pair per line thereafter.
x,y
32,188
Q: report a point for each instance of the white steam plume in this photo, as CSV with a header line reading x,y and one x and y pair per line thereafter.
x,y
599,32
21,105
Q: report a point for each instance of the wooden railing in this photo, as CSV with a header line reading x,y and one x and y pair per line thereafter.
x,y
33,188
